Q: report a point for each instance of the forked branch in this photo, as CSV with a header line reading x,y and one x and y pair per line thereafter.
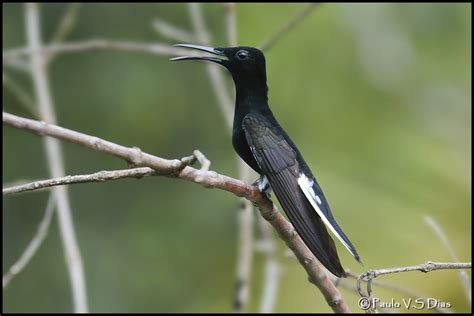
x,y
209,179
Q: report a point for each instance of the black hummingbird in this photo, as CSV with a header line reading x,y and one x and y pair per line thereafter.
x,y
262,143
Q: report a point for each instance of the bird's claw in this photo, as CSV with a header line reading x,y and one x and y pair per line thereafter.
x,y
263,186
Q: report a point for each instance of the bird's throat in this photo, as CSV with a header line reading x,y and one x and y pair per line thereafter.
x,y
251,95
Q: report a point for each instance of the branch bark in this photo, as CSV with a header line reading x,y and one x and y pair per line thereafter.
x,y
463,277
25,101
272,269
100,176
209,179
230,24
66,25
34,245
407,292
171,31
424,267
38,62
245,214
217,81
96,44
298,17
103,176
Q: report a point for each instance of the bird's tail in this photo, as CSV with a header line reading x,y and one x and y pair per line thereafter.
x,y
306,221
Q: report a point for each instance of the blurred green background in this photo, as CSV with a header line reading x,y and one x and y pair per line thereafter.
x,y
376,96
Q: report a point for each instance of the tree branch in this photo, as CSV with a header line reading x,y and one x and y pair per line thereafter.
x,y
271,282
38,62
98,44
424,267
134,155
100,176
208,179
217,81
463,277
172,31
230,24
17,63
103,176
245,214
272,269
298,17
205,163
25,101
391,286
34,245
67,22
66,25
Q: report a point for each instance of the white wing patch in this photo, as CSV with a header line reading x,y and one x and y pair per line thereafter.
x,y
306,186
317,198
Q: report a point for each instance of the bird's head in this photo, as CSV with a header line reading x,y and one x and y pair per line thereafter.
x,y
246,64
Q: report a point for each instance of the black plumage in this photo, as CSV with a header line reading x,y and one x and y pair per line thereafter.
x,y
262,143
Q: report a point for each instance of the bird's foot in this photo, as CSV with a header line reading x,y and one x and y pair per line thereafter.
x,y
263,186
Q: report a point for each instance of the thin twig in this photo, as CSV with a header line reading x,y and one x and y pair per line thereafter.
x,y
133,156
17,63
24,99
66,25
100,176
463,277
424,267
245,214
197,21
34,245
55,159
98,44
209,179
271,283
16,182
230,24
245,249
244,257
298,17
272,269
172,32
217,81
391,286
205,163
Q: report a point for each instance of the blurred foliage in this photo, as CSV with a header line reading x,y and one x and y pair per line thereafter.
x,y
377,97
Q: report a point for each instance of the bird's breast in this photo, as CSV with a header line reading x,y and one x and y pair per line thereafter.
x,y
242,148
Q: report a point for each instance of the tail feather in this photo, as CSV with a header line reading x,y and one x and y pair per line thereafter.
x,y
307,223
316,198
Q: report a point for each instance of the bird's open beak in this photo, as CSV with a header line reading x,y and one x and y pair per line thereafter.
x,y
211,50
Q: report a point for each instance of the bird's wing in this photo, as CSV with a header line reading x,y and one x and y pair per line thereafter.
x,y
278,162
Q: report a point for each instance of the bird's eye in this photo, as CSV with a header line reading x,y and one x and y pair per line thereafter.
x,y
242,54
